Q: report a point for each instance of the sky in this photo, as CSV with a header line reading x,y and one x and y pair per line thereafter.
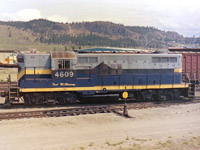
x,y
182,16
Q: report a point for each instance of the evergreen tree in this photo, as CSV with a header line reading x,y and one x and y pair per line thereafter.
x,y
66,48
10,34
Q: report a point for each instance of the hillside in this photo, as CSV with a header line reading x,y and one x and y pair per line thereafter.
x,y
43,34
20,39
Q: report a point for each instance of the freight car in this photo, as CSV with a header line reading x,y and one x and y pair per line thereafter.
x,y
190,62
67,77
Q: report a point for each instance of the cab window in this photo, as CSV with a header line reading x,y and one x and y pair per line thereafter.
x,y
66,64
63,64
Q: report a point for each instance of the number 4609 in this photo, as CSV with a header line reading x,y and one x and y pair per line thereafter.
x,y
66,74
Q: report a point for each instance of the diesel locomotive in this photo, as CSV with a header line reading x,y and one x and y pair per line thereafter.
x,y
67,77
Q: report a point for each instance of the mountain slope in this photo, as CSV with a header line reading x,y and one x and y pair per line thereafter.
x,y
20,39
96,33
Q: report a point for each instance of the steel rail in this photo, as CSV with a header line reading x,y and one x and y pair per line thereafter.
x,y
81,110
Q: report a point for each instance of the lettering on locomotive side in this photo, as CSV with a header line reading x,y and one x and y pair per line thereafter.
x,y
63,74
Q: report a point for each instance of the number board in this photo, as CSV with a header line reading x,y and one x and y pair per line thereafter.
x,y
63,74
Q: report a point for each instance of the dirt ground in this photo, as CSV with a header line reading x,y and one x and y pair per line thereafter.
x,y
4,72
175,127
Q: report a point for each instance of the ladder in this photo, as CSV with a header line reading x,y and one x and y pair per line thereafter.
x,y
13,92
192,89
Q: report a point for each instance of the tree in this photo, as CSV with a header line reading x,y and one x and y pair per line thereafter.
x,y
66,48
10,34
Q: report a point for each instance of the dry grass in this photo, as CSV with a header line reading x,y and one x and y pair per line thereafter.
x,y
180,144
23,40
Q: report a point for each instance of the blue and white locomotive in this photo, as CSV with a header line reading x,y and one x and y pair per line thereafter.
x,y
65,76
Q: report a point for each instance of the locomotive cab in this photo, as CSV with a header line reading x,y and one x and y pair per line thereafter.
x,y
62,64
62,60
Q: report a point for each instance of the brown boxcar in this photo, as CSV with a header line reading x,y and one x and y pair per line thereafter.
x,y
190,62
191,65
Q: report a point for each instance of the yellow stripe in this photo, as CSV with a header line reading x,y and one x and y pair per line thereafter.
x,y
99,88
21,74
48,71
178,70
31,71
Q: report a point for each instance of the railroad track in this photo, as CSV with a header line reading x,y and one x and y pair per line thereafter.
x,y
57,112
4,86
90,109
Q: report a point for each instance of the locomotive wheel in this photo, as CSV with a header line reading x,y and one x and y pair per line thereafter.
x,y
113,99
61,100
72,98
155,97
39,100
27,100
176,95
138,96
168,97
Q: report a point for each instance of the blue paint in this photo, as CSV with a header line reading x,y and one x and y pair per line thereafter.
x,y
90,80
